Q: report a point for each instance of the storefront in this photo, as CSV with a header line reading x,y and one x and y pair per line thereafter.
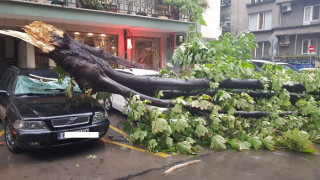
x,y
147,51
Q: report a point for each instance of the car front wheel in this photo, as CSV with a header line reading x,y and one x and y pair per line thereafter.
x,y
108,104
10,141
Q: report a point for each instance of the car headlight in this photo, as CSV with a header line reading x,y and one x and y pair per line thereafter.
x,y
99,116
29,125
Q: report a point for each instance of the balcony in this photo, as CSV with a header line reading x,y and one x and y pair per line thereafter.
x,y
148,8
128,14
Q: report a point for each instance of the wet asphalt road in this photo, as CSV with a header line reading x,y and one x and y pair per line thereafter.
x,y
117,162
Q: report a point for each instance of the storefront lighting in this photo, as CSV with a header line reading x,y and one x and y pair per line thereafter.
x,y
76,33
102,35
112,47
90,34
129,44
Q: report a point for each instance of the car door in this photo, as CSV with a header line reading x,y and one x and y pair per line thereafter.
x,y
9,79
7,84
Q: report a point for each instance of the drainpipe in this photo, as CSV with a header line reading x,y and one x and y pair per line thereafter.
x,y
262,56
125,44
295,45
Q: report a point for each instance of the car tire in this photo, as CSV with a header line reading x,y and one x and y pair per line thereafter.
x,y
108,104
10,141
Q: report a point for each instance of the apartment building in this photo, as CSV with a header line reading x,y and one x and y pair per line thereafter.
x,y
132,29
295,23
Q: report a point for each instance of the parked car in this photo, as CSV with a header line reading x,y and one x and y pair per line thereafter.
x,y
308,69
260,63
36,114
119,102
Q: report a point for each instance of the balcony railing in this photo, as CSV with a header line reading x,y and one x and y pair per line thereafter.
x,y
150,8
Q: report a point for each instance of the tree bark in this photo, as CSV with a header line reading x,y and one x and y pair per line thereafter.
x,y
90,68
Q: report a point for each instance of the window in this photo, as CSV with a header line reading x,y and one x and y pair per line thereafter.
x,y
147,50
260,1
311,13
305,45
225,2
106,42
260,21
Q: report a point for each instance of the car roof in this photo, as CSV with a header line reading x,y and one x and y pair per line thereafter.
x,y
258,60
140,72
266,61
46,73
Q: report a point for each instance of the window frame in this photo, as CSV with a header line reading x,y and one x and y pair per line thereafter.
x,y
309,43
258,14
222,3
311,14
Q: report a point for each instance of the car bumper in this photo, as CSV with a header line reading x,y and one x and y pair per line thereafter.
x,y
47,138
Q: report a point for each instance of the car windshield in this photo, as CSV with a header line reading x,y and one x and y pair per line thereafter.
x,y
29,85
289,66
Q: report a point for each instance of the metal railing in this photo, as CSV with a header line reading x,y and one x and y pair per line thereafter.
x,y
151,8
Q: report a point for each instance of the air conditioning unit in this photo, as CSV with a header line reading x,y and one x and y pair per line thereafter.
x,y
286,7
285,41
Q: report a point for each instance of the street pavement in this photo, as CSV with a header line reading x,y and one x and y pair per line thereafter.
x,y
114,158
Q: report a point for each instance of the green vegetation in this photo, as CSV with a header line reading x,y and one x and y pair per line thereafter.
x,y
179,129
182,130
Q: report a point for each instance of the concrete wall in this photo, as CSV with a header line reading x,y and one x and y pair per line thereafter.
x,y
295,47
239,16
212,18
295,16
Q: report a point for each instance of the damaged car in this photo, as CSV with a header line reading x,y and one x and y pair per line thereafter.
x,y
36,113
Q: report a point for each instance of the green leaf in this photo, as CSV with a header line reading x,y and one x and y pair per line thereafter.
x,y
169,142
180,125
152,144
69,90
203,22
201,130
255,142
139,135
103,95
159,125
239,145
218,143
268,143
184,147
190,140
299,141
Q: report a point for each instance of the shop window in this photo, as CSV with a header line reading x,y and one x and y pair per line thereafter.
x,y
311,13
147,51
106,42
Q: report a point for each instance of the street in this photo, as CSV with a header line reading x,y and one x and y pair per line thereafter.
x,y
103,160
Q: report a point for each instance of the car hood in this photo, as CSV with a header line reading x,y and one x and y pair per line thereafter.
x,y
46,107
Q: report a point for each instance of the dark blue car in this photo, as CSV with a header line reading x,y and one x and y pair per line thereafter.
x,y
37,114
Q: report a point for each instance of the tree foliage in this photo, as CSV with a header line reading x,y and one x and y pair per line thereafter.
x,y
183,130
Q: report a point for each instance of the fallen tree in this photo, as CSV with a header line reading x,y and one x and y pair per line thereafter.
x,y
206,92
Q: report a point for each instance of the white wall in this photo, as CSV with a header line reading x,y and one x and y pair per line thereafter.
x,y
26,56
212,18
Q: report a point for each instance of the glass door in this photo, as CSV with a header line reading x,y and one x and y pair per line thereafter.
x,y
147,51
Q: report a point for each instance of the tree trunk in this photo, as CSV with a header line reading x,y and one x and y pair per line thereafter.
x,y
90,68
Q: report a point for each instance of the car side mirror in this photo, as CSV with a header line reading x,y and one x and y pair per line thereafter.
x,y
3,93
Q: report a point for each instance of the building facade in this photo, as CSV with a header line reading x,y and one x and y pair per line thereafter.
x,y
295,23
131,29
